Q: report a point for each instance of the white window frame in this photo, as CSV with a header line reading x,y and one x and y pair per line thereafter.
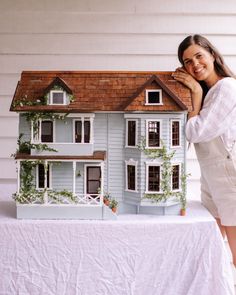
x,y
50,177
171,121
85,175
51,97
131,162
147,141
82,119
136,133
37,137
171,182
148,164
160,96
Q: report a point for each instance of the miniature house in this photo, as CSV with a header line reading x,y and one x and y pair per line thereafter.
x,y
80,136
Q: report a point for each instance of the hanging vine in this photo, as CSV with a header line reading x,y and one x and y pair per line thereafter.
x,y
166,174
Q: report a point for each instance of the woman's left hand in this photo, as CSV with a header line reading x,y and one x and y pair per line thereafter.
x,y
185,78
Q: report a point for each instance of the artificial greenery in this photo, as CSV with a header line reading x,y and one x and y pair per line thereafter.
x,y
166,174
24,101
28,194
24,147
57,196
113,204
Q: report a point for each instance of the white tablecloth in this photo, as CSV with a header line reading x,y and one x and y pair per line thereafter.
x,y
135,255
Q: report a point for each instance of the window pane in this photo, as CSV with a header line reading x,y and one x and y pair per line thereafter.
x,y
131,177
131,133
47,131
154,97
57,97
154,178
86,131
41,176
175,177
154,134
93,179
78,131
175,133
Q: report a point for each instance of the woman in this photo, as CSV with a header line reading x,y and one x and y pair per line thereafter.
x,y
211,127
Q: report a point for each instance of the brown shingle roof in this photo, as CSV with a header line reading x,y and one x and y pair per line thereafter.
x,y
102,91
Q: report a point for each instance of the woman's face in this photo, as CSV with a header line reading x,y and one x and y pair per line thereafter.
x,y
199,63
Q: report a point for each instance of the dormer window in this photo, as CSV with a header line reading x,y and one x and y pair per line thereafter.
x,y
153,97
57,97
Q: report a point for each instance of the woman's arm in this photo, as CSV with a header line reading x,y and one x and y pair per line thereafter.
x,y
195,88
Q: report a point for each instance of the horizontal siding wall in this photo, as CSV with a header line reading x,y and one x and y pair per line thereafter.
x,y
99,35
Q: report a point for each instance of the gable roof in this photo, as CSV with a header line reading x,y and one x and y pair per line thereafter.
x,y
155,79
58,82
95,91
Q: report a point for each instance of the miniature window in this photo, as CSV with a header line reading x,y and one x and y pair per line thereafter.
x,y
57,97
93,179
131,133
153,133
175,131
41,175
82,131
46,131
175,177
154,97
131,175
153,178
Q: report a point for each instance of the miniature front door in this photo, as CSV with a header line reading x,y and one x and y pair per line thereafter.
x,y
93,184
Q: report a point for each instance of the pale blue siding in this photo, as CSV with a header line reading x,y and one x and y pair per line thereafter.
x,y
62,176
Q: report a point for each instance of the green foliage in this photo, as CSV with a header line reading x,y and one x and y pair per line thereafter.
x,y
165,183
113,204
58,196
26,102
24,147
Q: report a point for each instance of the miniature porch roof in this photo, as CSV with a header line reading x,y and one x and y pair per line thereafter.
x,y
95,91
97,155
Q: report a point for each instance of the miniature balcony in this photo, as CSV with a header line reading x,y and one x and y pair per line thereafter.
x,y
66,149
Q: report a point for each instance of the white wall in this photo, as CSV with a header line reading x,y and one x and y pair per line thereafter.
x,y
100,35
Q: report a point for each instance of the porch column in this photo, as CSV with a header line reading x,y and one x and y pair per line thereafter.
x,y
102,183
45,197
74,176
18,176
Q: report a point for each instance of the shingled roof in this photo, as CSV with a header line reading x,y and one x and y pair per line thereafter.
x,y
101,91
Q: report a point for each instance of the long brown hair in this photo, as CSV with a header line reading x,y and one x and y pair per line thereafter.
x,y
220,67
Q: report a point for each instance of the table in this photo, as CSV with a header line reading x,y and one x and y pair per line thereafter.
x,y
134,255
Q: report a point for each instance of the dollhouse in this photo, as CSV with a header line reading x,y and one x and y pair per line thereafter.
x,y
86,135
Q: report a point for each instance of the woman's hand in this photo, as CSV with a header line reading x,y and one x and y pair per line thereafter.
x,y
185,78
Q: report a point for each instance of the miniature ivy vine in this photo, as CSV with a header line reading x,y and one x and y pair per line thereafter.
x,y
166,173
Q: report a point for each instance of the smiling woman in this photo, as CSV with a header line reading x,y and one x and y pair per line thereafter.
x,y
212,128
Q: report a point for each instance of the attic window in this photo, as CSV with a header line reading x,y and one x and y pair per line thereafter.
x,y
57,97
154,97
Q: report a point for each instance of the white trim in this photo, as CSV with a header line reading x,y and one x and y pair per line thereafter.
x,y
136,133
45,180
171,121
74,177
131,162
82,119
153,90
85,174
18,175
160,132
176,164
81,115
148,164
51,97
